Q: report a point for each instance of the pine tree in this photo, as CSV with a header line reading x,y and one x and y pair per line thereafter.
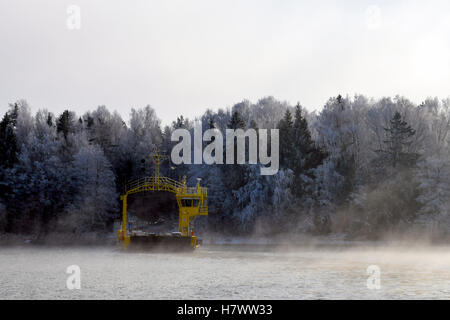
x,y
64,123
286,127
235,173
297,148
14,113
180,123
8,142
399,139
306,155
211,124
50,120
90,122
236,121
299,151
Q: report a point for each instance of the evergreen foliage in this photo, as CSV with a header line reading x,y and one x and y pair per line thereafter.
x,y
359,167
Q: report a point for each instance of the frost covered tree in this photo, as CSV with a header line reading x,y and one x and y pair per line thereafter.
x,y
434,185
38,186
22,120
337,134
267,112
95,203
110,132
145,135
433,169
263,199
348,168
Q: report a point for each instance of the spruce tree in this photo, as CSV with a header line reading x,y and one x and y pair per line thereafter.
x,y
236,121
211,124
180,123
286,127
90,122
399,139
14,114
50,120
235,173
64,123
8,142
306,156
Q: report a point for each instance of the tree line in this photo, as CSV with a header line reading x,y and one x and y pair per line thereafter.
x,y
359,167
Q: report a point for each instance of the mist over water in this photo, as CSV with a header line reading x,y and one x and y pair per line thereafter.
x,y
239,271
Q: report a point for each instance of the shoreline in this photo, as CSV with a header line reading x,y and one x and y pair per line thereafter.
x,y
282,241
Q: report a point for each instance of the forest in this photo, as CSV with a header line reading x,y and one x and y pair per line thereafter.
x,y
359,167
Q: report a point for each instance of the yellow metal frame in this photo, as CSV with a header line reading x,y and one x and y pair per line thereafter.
x,y
196,197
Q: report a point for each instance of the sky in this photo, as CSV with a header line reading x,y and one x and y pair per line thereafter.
x,y
183,57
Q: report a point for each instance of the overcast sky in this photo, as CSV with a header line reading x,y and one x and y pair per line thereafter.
x,y
182,57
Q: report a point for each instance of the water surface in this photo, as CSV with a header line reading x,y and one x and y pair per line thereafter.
x,y
227,272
